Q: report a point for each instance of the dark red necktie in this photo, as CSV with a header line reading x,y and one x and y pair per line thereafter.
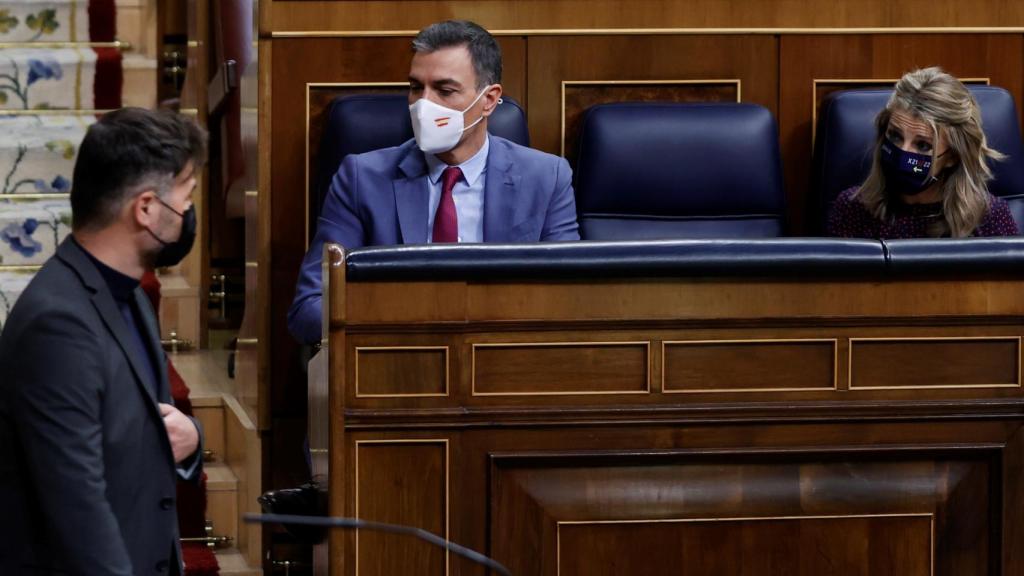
x,y
446,222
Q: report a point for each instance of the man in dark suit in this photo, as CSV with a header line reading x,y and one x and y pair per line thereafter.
x,y
92,443
452,183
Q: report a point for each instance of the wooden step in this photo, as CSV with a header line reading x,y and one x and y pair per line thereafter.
x,y
233,563
222,500
136,24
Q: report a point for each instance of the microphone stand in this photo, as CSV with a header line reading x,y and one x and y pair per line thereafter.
x,y
340,522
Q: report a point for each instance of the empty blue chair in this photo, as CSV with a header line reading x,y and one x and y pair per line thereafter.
x,y
365,122
652,170
846,137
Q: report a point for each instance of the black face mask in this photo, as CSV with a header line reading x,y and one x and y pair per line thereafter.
x,y
173,252
906,173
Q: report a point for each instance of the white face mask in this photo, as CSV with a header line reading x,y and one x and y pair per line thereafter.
x,y
439,129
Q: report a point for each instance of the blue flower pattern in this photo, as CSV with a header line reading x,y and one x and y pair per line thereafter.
x,y
59,185
20,237
43,70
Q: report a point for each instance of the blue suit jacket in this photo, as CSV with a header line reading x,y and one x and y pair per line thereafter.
x,y
381,198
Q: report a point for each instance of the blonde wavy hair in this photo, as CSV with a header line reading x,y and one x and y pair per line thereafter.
x,y
949,108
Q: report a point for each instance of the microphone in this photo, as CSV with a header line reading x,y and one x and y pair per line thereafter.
x,y
341,522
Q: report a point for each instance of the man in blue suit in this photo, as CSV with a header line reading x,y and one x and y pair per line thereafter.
x,y
452,183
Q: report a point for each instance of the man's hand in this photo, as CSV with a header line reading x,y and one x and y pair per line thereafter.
x,y
182,432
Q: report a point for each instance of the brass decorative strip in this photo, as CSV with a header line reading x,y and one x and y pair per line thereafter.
x,y
118,44
853,341
676,82
193,44
835,364
36,196
662,31
859,81
252,264
447,487
20,268
309,86
247,341
447,371
189,111
252,193
54,112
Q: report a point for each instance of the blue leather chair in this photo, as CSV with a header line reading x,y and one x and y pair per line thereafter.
x,y
846,135
655,170
365,122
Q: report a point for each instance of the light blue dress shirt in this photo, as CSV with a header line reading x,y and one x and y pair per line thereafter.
x,y
468,194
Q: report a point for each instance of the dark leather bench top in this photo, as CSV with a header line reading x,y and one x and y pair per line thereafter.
x,y
774,257
569,260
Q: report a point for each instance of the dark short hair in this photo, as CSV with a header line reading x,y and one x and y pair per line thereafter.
x,y
483,49
124,153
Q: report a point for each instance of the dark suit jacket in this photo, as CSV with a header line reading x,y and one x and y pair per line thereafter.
x,y
87,478
381,198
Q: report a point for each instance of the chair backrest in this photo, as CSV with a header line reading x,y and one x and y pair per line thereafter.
x,y
846,136
658,170
365,122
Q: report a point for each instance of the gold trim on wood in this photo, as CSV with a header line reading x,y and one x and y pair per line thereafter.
x,y
565,83
252,264
662,31
252,193
247,341
310,85
849,362
645,343
929,515
835,364
20,267
854,82
447,371
447,488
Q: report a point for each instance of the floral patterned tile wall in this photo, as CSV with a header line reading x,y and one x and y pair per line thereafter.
x,y
31,230
44,20
37,153
12,284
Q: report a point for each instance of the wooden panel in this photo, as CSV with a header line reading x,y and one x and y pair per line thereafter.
x,y
577,96
560,368
934,362
870,545
398,371
806,58
401,482
555,59
749,366
743,513
655,14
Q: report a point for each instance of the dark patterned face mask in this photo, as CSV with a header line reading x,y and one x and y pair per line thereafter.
x,y
176,250
906,173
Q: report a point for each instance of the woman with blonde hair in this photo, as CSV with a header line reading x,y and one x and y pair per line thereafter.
x,y
930,169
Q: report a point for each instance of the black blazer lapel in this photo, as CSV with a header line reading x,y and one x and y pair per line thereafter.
x,y
71,254
151,328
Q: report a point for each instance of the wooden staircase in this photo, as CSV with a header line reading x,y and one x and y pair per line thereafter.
x,y
233,470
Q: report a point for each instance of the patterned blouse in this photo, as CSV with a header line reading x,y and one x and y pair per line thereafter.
x,y
850,219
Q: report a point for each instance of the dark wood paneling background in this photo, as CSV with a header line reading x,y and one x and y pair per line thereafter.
x,y
776,69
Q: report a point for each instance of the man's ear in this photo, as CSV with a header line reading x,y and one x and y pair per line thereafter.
x,y
142,207
491,98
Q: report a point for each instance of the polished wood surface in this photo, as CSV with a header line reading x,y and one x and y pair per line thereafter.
x,y
680,426
345,15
